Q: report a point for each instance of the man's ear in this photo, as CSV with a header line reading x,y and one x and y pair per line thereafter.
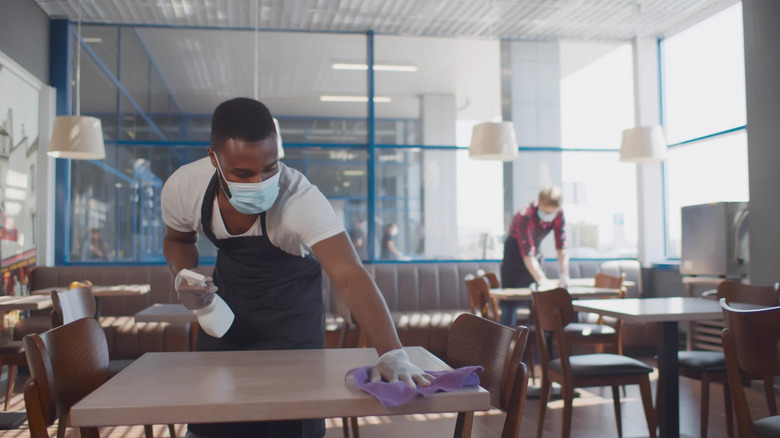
x,y
212,156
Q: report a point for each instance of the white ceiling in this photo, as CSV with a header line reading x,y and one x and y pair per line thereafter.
x,y
609,20
203,67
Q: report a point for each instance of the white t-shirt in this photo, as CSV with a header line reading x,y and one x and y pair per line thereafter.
x,y
300,217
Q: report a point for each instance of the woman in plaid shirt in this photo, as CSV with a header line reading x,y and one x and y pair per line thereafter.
x,y
522,258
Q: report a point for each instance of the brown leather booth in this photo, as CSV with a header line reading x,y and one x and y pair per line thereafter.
x,y
423,297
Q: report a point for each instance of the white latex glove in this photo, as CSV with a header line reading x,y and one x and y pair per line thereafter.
x,y
194,295
563,282
394,365
545,283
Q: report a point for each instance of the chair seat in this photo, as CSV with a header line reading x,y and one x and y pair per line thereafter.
x,y
767,427
702,360
588,329
13,347
602,365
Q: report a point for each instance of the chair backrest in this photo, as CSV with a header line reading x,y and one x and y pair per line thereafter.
x,y
750,344
610,282
552,311
735,292
492,280
479,298
66,363
71,305
498,349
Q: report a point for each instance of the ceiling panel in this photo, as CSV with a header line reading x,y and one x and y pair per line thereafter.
x,y
198,52
608,20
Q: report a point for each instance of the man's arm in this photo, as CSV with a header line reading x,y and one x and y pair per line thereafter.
x,y
181,252
180,249
358,290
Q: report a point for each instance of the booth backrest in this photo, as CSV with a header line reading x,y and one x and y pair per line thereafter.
x,y
157,276
405,286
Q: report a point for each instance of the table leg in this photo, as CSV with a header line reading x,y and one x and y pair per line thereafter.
x,y
668,382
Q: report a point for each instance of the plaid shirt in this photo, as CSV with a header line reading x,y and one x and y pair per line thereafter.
x,y
529,230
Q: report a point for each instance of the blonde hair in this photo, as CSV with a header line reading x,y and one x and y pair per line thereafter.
x,y
551,196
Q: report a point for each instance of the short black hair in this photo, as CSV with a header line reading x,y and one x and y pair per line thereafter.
x,y
243,119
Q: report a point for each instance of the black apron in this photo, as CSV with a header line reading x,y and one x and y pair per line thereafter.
x,y
277,301
513,270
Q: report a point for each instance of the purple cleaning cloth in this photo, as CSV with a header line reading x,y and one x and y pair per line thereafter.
x,y
395,394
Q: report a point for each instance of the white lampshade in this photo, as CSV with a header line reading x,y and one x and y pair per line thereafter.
x,y
279,138
77,138
493,141
643,144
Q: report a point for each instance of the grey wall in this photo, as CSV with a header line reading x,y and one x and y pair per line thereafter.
x,y
24,36
762,69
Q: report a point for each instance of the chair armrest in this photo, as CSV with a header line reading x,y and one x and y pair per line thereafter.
x,y
711,294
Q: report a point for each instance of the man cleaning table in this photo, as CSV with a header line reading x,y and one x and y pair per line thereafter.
x,y
275,232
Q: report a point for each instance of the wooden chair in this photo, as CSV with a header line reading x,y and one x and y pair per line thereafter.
x,y
553,312
750,344
612,282
499,350
77,303
492,279
12,355
71,305
710,366
66,363
586,333
480,303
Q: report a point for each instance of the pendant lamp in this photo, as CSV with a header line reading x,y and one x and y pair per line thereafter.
x,y
493,141
643,144
77,137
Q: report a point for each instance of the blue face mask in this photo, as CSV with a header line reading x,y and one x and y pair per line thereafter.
x,y
252,198
544,216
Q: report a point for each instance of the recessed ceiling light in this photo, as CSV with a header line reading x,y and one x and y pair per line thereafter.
x,y
356,99
355,172
93,40
377,67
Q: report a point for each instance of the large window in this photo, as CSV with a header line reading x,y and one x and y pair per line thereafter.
x,y
704,96
597,94
155,90
597,104
704,77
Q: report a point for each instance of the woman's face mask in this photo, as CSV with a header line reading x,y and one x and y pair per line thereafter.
x,y
545,216
251,198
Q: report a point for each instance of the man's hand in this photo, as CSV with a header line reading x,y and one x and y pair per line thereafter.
x,y
563,282
394,365
194,295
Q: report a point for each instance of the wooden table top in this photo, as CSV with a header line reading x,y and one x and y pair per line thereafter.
x,y
188,387
32,302
577,292
653,309
116,290
166,313
121,290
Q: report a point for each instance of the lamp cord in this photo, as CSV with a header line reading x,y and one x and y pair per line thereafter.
x,y
257,35
78,66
